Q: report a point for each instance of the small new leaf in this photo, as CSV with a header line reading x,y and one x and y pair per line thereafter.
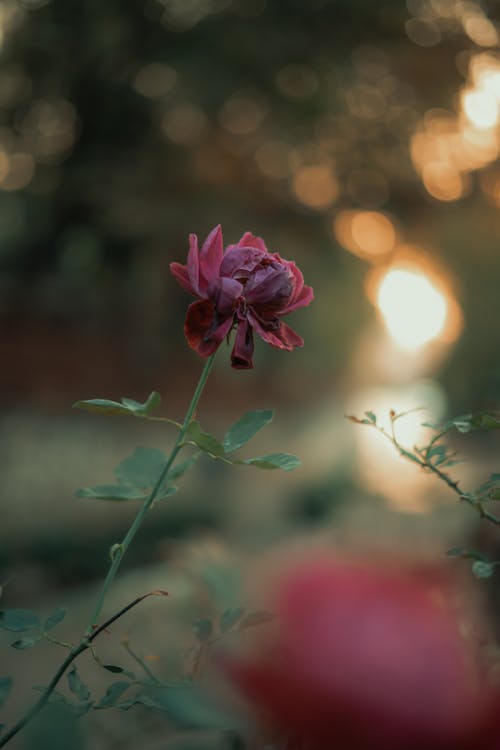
x,y
482,569
113,694
245,428
24,643
142,700
117,492
113,668
206,442
260,617
127,406
18,620
182,467
54,619
230,617
283,461
371,417
356,420
466,554
76,685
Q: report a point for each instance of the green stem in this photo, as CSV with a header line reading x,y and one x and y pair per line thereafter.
x,y
121,549
37,707
140,662
92,631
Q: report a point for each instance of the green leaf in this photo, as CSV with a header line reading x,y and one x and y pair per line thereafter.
x,y
112,694
482,569
55,618
284,461
5,688
245,428
230,617
111,492
372,418
466,554
259,617
166,491
18,620
491,487
142,468
204,441
438,453
113,668
486,421
454,552
141,699
203,630
182,467
102,406
127,406
76,685
152,402
27,642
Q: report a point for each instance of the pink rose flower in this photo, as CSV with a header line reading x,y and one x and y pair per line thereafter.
x,y
368,657
245,287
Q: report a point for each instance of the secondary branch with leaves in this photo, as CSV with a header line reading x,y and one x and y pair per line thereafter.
x,y
436,458
148,475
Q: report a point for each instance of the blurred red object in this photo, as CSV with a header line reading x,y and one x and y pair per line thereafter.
x,y
369,657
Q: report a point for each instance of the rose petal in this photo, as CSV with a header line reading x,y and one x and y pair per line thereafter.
x,y
269,288
244,259
274,332
301,295
250,240
193,266
210,258
226,294
181,274
241,356
290,338
204,329
305,298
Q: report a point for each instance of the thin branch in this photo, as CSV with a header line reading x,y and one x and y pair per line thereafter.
x,y
73,654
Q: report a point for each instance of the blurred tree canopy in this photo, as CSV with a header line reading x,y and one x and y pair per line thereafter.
x,y
124,126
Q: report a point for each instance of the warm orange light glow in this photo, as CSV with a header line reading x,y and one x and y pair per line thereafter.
x,y
480,108
373,232
443,182
414,310
369,234
380,468
315,186
480,30
18,171
415,300
478,148
490,185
